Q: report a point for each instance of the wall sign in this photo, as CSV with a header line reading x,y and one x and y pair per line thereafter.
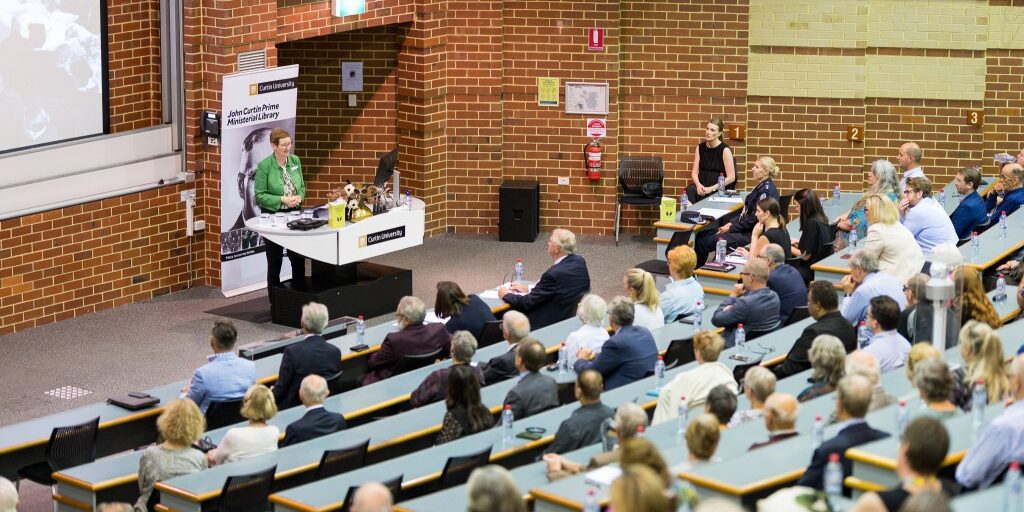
x,y
855,133
595,39
975,117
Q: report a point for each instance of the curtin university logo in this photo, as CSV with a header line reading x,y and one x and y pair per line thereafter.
x,y
381,236
271,86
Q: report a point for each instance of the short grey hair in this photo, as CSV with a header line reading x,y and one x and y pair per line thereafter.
x,y
412,309
592,310
516,326
315,317
620,311
760,381
491,488
463,346
864,363
828,357
774,404
946,253
758,270
933,379
775,254
565,239
628,417
865,260
314,389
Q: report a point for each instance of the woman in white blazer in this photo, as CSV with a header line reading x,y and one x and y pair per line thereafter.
x,y
898,252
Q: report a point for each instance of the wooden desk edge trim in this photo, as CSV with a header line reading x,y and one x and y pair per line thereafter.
x,y
673,225
862,485
742,491
71,502
281,500
378,406
1008,252
539,494
98,486
716,291
717,275
857,455
774,361
826,268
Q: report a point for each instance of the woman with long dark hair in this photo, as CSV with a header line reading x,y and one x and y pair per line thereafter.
x,y
770,229
466,414
465,312
811,247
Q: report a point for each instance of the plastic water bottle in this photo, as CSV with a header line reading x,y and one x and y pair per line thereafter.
x,y
817,432
563,360
360,330
684,202
684,414
507,425
1000,295
902,418
852,238
720,248
863,335
942,197
979,400
590,503
721,184
1013,499
835,195
698,316
975,246
1002,225
833,477
659,371
740,337
518,271
408,198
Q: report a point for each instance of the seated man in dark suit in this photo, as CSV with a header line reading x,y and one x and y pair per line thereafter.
x,y
780,413
534,392
515,327
628,355
971,211
853,396
413,338
751,303
555,297
312,355
434,387
583,427
786,281
823,304
317,421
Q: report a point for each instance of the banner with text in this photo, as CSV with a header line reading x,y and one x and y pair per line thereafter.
x,y
253,104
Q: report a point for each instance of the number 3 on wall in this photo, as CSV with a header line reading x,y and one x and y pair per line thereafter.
x,y
975,117
855,133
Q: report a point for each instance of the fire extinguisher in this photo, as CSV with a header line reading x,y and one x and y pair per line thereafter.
x,y
592,160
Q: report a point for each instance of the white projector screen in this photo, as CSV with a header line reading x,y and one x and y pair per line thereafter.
x,y
53,79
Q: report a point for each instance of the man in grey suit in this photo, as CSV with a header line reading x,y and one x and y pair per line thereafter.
x,y
515,326
751,304
534,392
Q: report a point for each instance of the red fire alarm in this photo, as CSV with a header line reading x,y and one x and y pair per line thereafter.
x,y
595,39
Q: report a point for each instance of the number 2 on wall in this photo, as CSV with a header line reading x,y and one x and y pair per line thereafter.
x,y
855,133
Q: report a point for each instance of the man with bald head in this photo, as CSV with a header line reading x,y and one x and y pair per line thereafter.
x,y
780,413
372,497
583,427
317,421
554,298
1001,442
1011,185
751,303
909,161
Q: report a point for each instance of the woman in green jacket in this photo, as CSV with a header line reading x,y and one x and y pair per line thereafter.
x,y
279,188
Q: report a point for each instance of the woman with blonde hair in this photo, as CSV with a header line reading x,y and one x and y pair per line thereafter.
x,y
920,352
982,353
682,293
639,284
180,425
639,489
881,180
257,437
975,304
898,252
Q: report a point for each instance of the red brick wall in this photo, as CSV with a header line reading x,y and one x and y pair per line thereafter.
x,y
1004,106
133,48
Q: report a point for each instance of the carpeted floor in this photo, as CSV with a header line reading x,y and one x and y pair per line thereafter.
x,y
144,345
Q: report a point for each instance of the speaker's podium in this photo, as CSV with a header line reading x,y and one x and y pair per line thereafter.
x,y
339,279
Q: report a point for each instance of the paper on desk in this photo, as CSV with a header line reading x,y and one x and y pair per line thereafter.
x,y
493,292
713,212
728,199
603,476
736,259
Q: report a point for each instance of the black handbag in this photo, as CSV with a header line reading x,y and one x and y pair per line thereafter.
x,y
306,224
651,189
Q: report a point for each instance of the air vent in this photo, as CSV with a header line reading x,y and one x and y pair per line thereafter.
x,y
249,61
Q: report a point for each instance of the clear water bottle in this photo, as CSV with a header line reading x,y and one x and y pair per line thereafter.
x,y
975,246
518,271
1002,225
852,238
863,335
942,197
720,248
563,360
408,198
740,337
698,316
835,195
684,415
1000,294
902,418
684,202
590,503
507,425
360,330
721,184
659,371
817,432
979,400
833,481
1013,499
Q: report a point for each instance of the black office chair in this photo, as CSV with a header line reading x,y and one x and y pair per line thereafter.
x,y
660,267
679,352
456,471
68,447
740,370
222,414
799,313
394,485
247,493
636,172
410,363
334,383
566,393
490,334
336,462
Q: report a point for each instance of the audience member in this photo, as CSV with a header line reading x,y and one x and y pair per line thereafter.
x,y
560,288
881,180
918,461
702,436
780,414
628,355
975,304
317,421
828,365
894,246
683,291
435,386
1000,442
712,159
466,414
256,437
909,161
629,419
311,356
583,426
372,497
785,281
694,384
770,229
927,501
533,392
180,425
491,488
640,287
639,489
226,376
464,312
853,396
592,334
917,319
823,305
813,244
413,338
920,352
982,352
721,403
758,385
887,345
866,282
924,216
866,364
971,212
515,327
737,233
934,382
1007,194
750,303
641,451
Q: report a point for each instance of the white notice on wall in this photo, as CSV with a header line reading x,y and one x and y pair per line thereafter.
x,y
352,76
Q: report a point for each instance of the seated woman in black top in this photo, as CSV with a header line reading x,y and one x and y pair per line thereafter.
x,y
712,158
466,414
920,457
770,229
467,313
814,231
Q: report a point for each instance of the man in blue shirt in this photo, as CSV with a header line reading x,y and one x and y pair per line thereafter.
x,y
785,281
1011,183
750,304
888,346
971,211
226,376
865,282
924,217
1001,442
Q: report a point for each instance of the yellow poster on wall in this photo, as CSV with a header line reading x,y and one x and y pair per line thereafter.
x,y
547,92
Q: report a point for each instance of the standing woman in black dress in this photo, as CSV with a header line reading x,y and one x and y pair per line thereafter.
x,y
712,158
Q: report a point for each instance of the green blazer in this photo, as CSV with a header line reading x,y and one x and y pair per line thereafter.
x,y
270,183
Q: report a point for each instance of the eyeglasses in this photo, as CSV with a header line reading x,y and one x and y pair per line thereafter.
x,y
746,274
